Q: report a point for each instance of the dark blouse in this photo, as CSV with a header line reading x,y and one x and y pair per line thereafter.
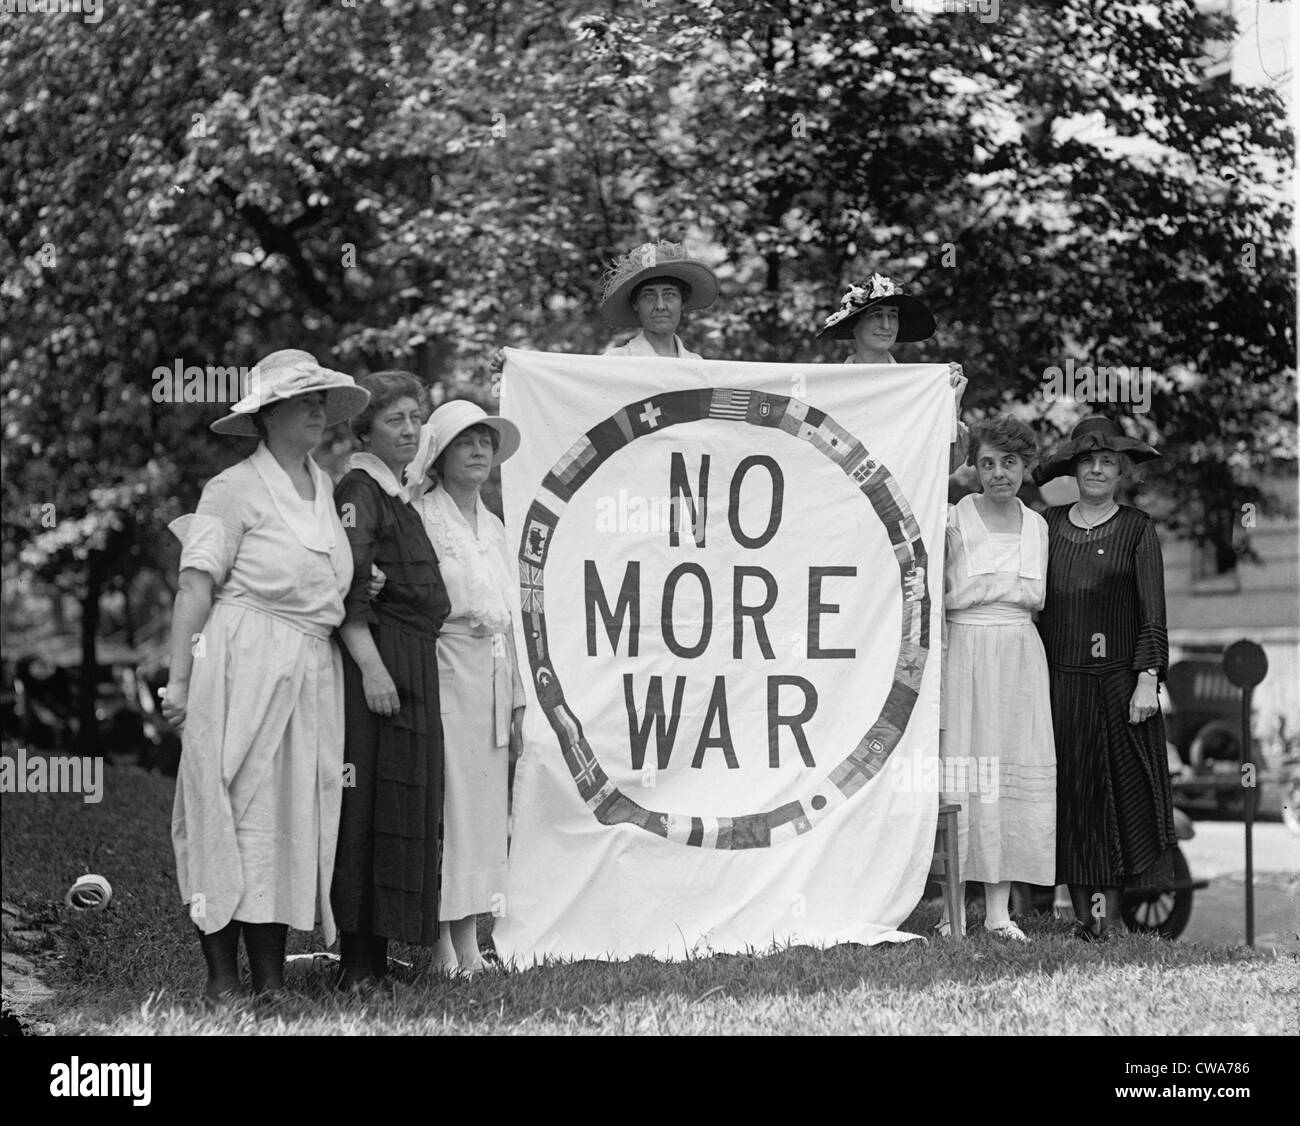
x,y
386,531
1105,605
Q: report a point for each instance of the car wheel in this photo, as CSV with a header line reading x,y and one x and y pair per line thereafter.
x,y
1163,912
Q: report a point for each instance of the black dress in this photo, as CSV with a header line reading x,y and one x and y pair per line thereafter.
x,y
386,870
1104,622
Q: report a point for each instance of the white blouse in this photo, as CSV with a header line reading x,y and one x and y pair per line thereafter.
x,y
268,548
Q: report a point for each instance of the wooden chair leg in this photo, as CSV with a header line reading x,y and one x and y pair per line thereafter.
x,y
952,870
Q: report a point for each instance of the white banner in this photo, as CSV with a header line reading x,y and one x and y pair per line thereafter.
x,y
732,585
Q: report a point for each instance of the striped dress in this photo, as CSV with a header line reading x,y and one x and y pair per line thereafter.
x,y
387,867
1103,622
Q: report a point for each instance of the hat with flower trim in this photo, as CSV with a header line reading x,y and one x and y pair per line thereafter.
x,y
915,321
649,261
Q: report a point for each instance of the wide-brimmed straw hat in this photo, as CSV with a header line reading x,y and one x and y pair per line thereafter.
x,y
648,261
1096,432
285,375
915,321
451,419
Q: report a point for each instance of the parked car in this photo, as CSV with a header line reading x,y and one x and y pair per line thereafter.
x,y
1203,726
40,704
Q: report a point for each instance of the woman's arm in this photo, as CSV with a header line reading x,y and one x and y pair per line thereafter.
x,y
960,445
359,511
1152,649
189,614
380,691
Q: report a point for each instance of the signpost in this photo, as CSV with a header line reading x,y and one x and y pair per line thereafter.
x,y
1245,665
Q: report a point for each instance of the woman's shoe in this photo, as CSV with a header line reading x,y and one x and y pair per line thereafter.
x,y
272,999
223,1000
1008,930
360,988
1084,933
265,944
943,929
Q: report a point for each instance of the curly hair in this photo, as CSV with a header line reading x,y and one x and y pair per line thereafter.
x,y
1003,432
385,388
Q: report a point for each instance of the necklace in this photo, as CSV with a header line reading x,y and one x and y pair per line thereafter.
x,y
1090,524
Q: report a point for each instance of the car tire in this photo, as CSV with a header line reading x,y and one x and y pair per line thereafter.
x,y
1161,912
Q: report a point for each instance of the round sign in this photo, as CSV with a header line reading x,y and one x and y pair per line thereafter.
x,y
872,479
1245,664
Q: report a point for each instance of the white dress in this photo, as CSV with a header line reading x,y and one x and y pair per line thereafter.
x,y
256,815
640,346
996,746
479,686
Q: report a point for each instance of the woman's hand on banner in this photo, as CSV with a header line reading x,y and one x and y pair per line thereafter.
x,y
957,381
375,583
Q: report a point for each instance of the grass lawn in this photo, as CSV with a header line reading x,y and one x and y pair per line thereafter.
x,y
136,968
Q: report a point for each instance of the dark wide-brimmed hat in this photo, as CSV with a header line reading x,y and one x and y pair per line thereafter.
x,y
284,375
915,321
1096,432
648,261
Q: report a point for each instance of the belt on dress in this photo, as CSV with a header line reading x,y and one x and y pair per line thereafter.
x,y
990,614
311,629
502,685
1101,668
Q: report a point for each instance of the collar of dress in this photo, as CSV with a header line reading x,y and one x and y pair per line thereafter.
x,y
640,346
383,476
313,523
979,546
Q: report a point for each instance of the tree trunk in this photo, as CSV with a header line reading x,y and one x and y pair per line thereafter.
x,y
88,682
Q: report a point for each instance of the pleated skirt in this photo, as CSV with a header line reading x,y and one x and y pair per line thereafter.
x,y
1115,814
996,752
389,850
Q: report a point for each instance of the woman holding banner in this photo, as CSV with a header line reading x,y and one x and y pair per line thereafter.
x,y
386,876
1103,627
481,692
650,287
256,686
995,742
878,314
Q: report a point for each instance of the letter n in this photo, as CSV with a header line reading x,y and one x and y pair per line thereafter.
x,y
681,498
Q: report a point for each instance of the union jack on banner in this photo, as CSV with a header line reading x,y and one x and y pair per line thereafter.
x,y
530,589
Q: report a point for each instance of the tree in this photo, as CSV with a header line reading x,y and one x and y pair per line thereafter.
x,y
417,185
